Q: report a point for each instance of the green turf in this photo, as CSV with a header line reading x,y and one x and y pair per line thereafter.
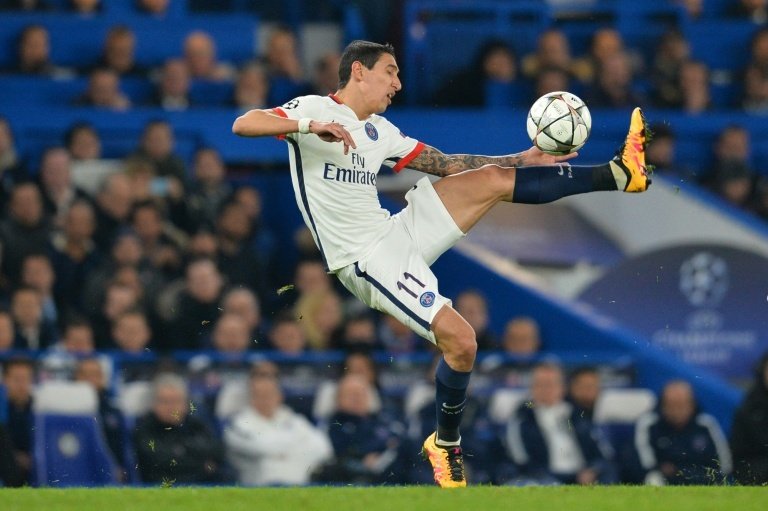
x,y
389,499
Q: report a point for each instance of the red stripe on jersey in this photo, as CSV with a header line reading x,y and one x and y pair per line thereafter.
x,y
279,111
408,158
335,98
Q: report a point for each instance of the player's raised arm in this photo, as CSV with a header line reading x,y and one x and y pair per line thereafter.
x,y
435,162
265,123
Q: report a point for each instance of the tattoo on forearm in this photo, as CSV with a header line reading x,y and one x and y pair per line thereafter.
x,y
433,161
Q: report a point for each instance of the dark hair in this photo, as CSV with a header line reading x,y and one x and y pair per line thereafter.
x,y
69,135
18,361
582,370
365,52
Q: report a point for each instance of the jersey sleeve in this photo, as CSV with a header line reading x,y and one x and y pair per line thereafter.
x,y
403,149
303,106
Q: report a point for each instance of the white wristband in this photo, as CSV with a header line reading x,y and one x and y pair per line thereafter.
x,y
304,125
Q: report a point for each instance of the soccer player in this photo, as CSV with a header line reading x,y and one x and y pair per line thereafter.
x,y
384,260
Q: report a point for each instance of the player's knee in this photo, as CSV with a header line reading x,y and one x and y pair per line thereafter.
x,y
460,346
499,179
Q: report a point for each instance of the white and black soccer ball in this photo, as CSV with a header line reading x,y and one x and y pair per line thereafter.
x,y
704,279
559,123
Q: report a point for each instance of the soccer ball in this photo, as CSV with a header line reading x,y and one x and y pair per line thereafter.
x,y
559,123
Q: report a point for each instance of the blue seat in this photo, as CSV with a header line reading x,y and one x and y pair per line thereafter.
x,y
210,93
69,445
721,44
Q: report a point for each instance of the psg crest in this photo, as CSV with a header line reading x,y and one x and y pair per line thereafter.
x,y
370,130
427,299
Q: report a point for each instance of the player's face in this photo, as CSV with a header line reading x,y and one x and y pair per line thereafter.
x,y
381,82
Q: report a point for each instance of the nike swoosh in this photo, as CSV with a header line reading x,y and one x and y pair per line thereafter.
x,y
460,405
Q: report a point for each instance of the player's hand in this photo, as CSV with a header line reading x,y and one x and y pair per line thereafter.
x,y
333,132
535,156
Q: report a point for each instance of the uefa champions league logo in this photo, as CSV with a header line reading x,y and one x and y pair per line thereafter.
x,y
704,279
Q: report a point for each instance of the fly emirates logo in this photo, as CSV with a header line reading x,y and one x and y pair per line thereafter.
x,y
355,175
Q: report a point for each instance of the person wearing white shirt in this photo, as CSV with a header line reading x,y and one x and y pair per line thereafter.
x,y
270,444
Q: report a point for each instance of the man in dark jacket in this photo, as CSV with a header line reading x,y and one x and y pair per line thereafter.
x,y
551,442
678,445
172,445
749,435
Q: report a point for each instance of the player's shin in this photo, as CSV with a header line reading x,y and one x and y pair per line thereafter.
x,y
538,185
451,397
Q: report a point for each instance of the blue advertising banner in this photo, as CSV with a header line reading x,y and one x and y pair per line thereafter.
x,y
707,304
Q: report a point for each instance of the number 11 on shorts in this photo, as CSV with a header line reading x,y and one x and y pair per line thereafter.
x,y
407,276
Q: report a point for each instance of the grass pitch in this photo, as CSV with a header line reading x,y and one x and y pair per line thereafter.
x,y
388,499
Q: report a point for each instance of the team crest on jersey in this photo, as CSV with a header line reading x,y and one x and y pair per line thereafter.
x,y
370,130
427,299
291,104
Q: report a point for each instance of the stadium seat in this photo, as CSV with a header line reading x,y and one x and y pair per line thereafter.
x,y
504,402
69,444
623,405
232,398
135,399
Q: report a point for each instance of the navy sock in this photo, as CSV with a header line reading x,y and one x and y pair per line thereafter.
x,y
537,185
450,398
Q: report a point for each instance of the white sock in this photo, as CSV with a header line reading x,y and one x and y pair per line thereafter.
x,y
619,175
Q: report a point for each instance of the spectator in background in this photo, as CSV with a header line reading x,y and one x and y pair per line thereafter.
x,y
694,87
157,146
60,360
131,333
606,44
200,56
749,433
88,167
12,169
679,445
158,246
58,191
231,335
731,176
364,445
397,337
197,307
104,91
661,150
361,363
37,272
11,475
612,85
86,7
32,331
157,8
244,303
172,445
238,259
33,57
91,371
208,190
754,10
270,444
359,332
172,91
693,8
251,88
24,231
552,52
119,53
286,75
521,337
326,76
321,316
756,76
495,64
673,50
472,306
18,378
584,387
118,299
83,142
113,208
74,256
551,442
286,336
261,238
551,79
7,331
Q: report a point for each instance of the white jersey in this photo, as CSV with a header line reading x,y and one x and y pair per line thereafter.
x,y
336,192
